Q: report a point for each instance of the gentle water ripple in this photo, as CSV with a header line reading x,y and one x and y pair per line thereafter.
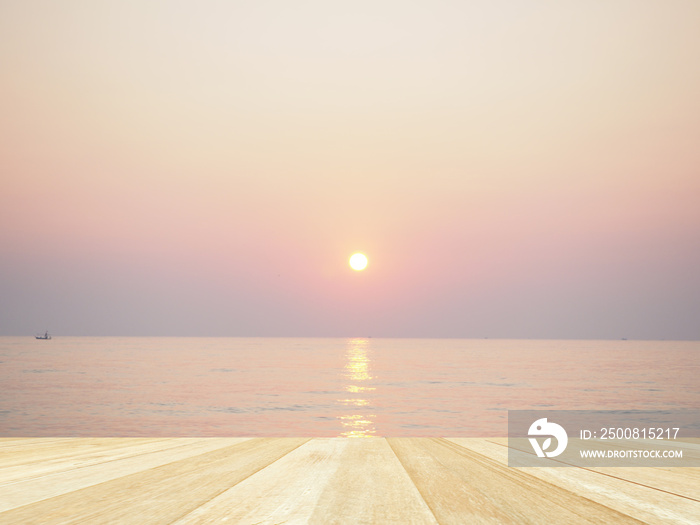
x,y
86,386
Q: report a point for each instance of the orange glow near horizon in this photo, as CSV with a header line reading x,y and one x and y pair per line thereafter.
x,y
178,169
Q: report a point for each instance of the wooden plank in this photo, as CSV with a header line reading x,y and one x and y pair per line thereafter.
x,y
683,481
38,481
332,480
157,495
462,486
641,493
326,481
37,460
371,486
25,451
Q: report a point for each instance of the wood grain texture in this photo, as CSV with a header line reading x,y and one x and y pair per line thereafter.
x,y
158,494
458,483
651,495
325,481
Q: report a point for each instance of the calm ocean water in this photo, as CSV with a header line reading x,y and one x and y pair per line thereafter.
x,y
109,386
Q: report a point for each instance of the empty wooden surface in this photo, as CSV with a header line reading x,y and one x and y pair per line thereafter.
x,y
322,480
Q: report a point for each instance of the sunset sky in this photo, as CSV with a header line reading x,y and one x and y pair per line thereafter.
x,y
511,169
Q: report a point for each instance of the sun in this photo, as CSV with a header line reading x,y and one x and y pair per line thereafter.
x,y
358,262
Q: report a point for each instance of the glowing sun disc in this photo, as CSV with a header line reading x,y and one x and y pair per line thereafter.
x,y
358,262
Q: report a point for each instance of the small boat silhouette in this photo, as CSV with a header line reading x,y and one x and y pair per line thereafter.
x,y
45,336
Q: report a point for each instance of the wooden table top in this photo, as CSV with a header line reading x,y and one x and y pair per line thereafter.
x,y
322,480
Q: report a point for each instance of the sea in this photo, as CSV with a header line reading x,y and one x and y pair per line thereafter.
x,y
341,387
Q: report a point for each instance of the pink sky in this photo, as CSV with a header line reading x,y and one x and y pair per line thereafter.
x,y
511,169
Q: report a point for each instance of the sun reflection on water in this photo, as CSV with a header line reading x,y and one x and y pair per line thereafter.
x,y
357,366
354,402
355,389
358,372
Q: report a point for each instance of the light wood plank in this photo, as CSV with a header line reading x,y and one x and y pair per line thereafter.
x,y
38,482
641,493
25,451
683,481
326,481
157,495
38,460
331,480
371,486
462,486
